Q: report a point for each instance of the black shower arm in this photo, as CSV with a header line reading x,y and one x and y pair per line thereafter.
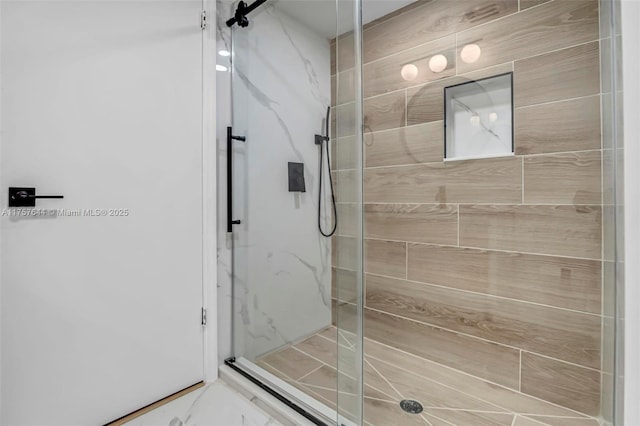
x,y
245,10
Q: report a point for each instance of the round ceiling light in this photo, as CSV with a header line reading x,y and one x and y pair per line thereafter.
x,y
438,63
409,72
470,53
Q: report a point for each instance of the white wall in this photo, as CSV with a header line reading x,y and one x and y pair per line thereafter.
x,y
281,262
102,101
631,80
209,191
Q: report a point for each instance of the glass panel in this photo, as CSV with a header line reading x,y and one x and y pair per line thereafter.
x,y
613,225
289,328
348,242
281,261
489,281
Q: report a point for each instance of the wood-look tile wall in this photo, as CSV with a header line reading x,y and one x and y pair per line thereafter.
x,y
490,266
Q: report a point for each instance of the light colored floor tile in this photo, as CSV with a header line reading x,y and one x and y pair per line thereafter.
x,y
214,405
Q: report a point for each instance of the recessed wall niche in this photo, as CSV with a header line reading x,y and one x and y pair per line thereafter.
x,y
479,118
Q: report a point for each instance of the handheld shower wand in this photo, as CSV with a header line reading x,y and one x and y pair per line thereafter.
x,y
324,141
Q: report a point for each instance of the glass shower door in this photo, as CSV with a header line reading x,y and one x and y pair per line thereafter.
x,y
286,312
489,204
472,275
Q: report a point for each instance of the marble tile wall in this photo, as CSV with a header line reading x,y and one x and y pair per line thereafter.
x,y
490,266
280,270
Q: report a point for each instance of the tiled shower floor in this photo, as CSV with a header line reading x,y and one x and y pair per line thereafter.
x,y
449,396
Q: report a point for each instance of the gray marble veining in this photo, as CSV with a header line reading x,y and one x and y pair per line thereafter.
x,y
276,260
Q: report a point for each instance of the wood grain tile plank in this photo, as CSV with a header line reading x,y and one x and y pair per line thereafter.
x,y
429,393
572,125
344,88
526,4
345,53
341,390
564,421
344,285
423,143
483,359
330,354
291,362
564,384
332,57
384,112
564,74
549,280
348,214
346,318
345,186
320,349
383,413
345,152
384,75
525,421
386,257
428,223
428,370
328,399
329,378
566,335
374,379
334,306
344,252
331,333
497,180
327,394
569,178
573,231
551,26
475,418
405,9
343,120
426,103
326,350
273,371
334,92
428,22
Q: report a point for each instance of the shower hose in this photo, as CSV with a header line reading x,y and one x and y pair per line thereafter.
x,y
326,139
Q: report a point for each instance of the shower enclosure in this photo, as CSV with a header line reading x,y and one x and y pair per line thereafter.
x,y
473,275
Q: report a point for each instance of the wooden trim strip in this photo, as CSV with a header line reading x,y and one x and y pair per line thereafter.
x,y
144,410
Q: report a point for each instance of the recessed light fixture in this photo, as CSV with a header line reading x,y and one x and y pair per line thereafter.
x,y
409,72
438,63
470,53
224,53
221,68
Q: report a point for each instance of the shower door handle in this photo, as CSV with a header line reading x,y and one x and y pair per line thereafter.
x,y
230,139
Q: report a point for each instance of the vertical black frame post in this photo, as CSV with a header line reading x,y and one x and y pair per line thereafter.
x,y
229,180
230,139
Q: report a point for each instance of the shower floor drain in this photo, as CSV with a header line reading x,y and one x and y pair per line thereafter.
x,y
411,406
